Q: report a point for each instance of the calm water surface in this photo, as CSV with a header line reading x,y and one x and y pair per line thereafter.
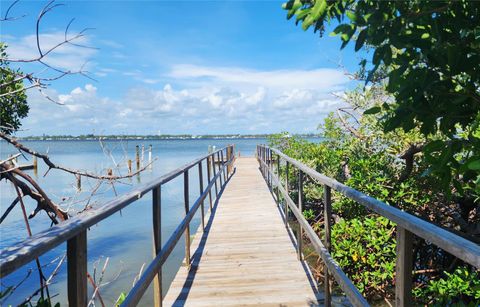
x,y
126,237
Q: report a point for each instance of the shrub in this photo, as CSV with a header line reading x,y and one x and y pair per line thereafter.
x,y
365,249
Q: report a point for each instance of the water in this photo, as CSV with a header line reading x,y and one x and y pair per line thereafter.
x,y
124,238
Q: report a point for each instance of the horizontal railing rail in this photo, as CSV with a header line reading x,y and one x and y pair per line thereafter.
x,y
74,230
407,226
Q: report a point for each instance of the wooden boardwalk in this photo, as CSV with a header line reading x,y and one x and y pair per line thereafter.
x,y
245,256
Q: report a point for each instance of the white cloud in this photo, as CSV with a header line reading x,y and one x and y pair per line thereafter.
x,y
65,57
316,79
245,100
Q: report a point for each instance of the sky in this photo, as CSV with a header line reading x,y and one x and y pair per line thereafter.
x,y
175,67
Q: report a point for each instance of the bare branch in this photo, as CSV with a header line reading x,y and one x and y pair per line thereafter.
x,y
352,130
47,282
12,205
6,18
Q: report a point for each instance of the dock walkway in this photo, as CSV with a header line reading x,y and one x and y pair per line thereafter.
x,y
245,256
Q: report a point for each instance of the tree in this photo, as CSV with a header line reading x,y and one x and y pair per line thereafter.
x,y
13,99
430,51
14,107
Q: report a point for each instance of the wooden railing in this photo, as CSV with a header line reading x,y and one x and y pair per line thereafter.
x,y
407,226
74,230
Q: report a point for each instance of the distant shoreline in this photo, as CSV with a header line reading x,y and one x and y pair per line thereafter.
x,y
90,137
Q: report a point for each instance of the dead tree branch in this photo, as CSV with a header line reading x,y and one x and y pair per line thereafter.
x,y
35,79
349,127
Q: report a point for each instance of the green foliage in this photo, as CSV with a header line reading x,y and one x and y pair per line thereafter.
x,y
121,298
429,53
13,107
461,286
365,248
368,160
309,214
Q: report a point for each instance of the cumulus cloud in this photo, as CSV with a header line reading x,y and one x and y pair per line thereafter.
x,y
246,101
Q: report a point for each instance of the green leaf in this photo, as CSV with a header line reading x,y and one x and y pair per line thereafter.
x,y
474,165
319,9
343,28
351,15
293,7
433,146
378,55
361,39
301,14
121,299
373,110
307,22
425,35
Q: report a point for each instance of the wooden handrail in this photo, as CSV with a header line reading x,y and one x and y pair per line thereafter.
x,y
144,281
407,224
74,232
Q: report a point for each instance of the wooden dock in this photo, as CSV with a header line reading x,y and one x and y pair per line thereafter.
x,y
245,256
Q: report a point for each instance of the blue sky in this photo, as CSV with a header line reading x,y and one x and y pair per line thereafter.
x,y
181,67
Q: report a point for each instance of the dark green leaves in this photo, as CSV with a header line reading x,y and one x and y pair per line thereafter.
x,y
361,39
13,98
430,53
373,110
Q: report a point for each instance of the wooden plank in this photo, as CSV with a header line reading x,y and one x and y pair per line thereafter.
x,y
404,268
245,256
77,270
157,242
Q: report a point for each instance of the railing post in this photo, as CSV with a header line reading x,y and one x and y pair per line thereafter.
x,y
77,270
269,166
266,163
286,190
223,167
209,177
270,160
229,156
157,242
187,208
300,207
404,267
219,169
278,179
214,174
262,158
327,216
202,207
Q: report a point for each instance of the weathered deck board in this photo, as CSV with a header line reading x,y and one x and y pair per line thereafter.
x,y
246,256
